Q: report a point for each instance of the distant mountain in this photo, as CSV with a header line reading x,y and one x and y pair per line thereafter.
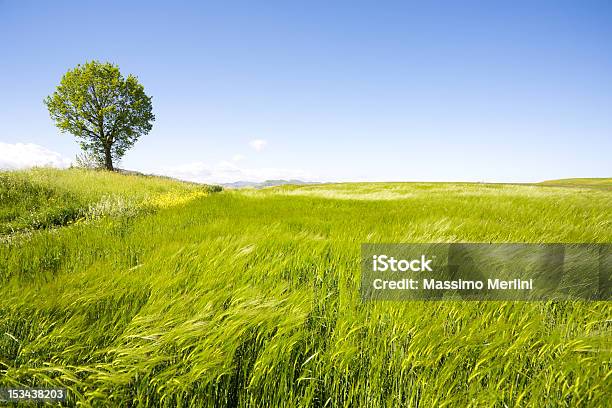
x,y
267,183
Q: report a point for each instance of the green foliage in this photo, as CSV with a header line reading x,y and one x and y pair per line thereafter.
x,y
251,298
107,112
89,160
213,188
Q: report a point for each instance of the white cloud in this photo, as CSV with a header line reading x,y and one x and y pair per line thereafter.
x,y
258,144
24,155
227,172
190,171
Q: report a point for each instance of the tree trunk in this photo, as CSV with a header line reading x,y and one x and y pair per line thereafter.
x,y
108,159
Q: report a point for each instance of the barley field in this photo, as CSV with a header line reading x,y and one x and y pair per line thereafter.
x,y
140,291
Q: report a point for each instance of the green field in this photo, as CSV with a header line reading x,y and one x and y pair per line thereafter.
x,y
181,296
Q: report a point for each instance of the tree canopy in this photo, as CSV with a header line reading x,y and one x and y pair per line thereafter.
x,y
104,110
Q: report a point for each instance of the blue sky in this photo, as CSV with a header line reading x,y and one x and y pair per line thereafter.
x,y
376,90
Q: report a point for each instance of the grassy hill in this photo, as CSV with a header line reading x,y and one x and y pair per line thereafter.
x,y
604,183
251,297
45,197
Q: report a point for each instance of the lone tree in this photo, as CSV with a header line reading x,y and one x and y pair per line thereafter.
x,y
106,111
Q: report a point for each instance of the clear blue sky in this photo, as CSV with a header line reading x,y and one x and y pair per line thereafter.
x,y
480,91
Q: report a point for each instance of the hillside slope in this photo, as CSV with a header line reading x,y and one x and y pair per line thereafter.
x,y
603,183
46,197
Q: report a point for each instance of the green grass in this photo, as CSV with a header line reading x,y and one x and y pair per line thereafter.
x,y
251,298
604,183
45,197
